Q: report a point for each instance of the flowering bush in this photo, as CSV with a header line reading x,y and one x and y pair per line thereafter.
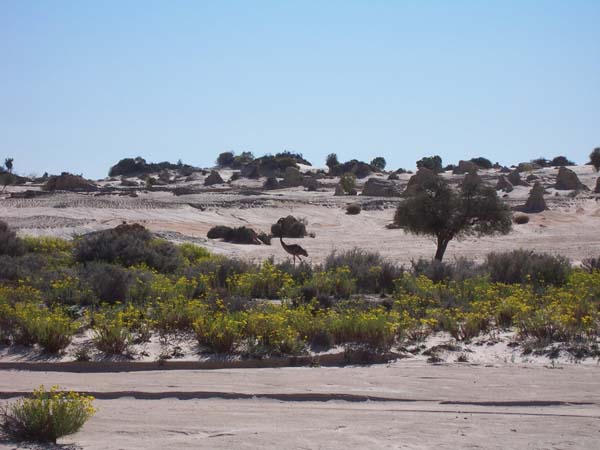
x,y
47,415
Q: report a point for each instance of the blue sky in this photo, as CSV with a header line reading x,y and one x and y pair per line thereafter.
x,y
84,84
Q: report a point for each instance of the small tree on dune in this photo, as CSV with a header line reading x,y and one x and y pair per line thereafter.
x,y
332,160
435,209
595,158
378,163
8,163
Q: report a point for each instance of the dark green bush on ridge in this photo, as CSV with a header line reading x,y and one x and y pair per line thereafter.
x,y
239,235
10,244
527,266
371,271
127,245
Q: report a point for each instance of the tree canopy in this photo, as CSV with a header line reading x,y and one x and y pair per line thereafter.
x,y
434,209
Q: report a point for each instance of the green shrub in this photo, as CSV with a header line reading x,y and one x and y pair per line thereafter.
x,y
239,235
481,162
521,219
269,282
336,282
108,282
52,330
47,415
176,314
353,209
128,245
440,271
375,328
111,332
10,244
220,332
289,227
433,163
595,158
225,159
373,274
378,163
561,161
591,264
523,266
348,182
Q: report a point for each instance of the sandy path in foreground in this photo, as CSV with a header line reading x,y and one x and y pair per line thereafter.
x,y
448,407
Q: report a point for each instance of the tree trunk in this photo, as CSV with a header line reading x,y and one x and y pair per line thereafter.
x,y
441,248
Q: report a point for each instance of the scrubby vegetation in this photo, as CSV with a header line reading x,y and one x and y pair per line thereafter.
x,y
47,415
121,293
433,163
595,158
129,167
238,235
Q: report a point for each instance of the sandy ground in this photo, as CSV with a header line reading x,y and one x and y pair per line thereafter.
x,y
506,401
403,405
570,227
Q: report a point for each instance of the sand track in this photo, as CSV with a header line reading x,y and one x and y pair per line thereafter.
x,y
403,405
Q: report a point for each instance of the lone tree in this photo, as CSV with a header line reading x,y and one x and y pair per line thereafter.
x,y
8,163
431,162
378,163
435,209
595,158
332,161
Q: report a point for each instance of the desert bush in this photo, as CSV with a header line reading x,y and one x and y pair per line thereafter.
x,y
192,253
218,269
15,268
225,159
65,286
68,182
269,282
353,209
47,245
465,326
271,183
370,270
336,282
265,238
289,227
300,272
52,330
541,162
239,235
220,332
433,163
128,245
375,328
47,415
595,158
108,282
10,244
332,161
111,334
270,333
591,264
523,266
483,163
438,271
348,182
218,232
378,163
521,219
359,169
176,314
561,161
